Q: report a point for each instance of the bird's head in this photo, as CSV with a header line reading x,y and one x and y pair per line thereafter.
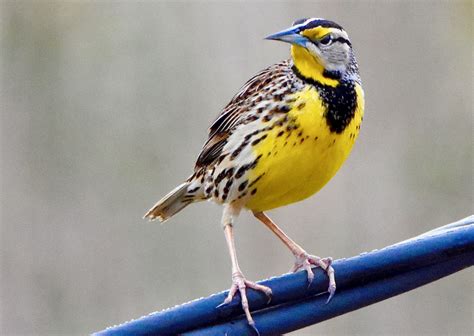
x,y
318,45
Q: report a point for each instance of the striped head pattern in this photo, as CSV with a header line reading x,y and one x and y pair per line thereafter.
x,y
322,41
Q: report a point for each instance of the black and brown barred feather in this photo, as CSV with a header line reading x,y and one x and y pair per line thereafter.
x,y
241,109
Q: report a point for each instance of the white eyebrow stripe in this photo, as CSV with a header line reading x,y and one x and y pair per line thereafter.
x,y
306,22
311,20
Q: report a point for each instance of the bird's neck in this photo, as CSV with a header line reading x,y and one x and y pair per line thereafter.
x,y
309,67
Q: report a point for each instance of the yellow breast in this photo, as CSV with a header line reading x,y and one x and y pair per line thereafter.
x,y
297,161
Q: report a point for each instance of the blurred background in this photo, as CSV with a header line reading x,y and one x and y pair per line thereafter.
x,y
105,106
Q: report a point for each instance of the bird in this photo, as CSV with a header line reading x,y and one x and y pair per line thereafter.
x,y
278,141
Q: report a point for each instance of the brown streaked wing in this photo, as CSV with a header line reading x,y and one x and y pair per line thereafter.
x,y
236,112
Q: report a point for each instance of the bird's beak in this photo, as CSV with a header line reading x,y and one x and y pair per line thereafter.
x,y
289,35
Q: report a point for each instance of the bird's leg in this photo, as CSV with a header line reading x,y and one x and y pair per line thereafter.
x,y
303,259
239,283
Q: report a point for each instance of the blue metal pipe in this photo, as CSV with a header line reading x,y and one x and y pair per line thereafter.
x,y
293,316
362,280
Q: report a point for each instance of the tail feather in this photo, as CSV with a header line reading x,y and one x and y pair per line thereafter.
x,y
172,203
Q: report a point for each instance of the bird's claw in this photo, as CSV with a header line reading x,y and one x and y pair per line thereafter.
x,y
254,327
239,283
305,261
222,304
331,291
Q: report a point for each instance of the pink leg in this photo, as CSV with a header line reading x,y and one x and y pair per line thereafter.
x,y
303,259
239,283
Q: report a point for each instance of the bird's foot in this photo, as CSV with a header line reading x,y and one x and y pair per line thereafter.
x,y
305,261
239,283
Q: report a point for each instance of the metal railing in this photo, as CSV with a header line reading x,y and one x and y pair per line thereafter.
x,y
362,280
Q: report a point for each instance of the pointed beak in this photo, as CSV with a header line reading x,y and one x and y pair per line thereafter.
x,y
289,35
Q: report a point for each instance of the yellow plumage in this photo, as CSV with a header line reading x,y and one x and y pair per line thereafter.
x,y
297,166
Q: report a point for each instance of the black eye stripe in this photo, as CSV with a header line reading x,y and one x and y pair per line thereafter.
x,y
339,39
343,40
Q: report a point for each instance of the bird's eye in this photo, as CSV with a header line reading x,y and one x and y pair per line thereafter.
x,y
326,40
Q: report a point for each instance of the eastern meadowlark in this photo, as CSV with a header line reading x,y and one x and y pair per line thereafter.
x,y
281,138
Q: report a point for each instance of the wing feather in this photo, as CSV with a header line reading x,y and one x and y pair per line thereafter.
x,y
236,112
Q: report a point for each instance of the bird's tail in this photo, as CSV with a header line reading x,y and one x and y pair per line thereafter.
x,y
173,202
